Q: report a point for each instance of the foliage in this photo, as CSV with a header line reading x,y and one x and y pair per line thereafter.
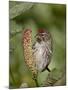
x,y
52,17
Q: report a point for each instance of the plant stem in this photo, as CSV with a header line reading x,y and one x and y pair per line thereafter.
x,y
36,82
35,79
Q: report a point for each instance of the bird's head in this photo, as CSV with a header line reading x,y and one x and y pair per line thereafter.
x,y
42,35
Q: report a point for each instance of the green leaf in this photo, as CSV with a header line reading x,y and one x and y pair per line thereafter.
x,y
19,8
61,81
55,77
15,28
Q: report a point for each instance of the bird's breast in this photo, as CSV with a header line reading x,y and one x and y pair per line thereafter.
x,y
39,55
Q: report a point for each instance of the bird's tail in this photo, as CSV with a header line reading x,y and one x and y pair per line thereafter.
x,y
46,69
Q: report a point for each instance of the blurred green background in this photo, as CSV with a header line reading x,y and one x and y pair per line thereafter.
x,y
52,17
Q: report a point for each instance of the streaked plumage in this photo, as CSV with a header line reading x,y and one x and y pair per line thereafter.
x,y
42,50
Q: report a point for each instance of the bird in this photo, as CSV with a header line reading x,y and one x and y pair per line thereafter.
x,y
42,50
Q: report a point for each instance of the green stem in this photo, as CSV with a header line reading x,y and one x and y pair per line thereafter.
x,y
36,83
35,79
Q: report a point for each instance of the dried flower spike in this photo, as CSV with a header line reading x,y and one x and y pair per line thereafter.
x,y
27,43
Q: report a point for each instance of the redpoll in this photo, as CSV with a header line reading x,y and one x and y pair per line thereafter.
x,y
42,50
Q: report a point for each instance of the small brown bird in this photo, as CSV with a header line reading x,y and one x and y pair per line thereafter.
x,y
42,50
